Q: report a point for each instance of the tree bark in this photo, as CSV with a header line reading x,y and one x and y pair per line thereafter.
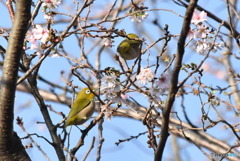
x,y
174,81
11,147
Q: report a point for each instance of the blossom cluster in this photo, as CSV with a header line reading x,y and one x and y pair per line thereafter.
x,y
146,75
140,13
201,34
49,6
110,86
38,36
108,43
146,79
156,85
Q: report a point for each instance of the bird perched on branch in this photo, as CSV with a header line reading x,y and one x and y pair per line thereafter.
x,y
130,48
82,108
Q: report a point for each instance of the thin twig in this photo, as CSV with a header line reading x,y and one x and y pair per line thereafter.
x,y
20,123
90,149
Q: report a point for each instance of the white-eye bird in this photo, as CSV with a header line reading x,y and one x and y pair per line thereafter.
x,y
130,49
82,108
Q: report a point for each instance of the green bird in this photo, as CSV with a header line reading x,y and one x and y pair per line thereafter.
x,y
130,49
82,108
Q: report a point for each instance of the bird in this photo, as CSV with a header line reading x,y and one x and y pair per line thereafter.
x,y
130,49
82,108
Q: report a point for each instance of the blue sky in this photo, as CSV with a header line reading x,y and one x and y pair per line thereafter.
x,y
116,128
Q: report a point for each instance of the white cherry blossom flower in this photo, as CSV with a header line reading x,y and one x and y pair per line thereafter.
x,y
51,4
218,46
110,84
108,43
145,75
107,112
202,31
191,34
202,46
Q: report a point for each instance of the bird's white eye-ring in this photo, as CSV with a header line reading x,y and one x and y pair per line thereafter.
x,y
88,91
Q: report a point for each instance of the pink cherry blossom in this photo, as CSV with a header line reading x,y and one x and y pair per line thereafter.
x,y
163,81
37,47
214,70
37,36
206,67
191,34
220,74
124,96
40,33
199,17
30,36
51,4
48,17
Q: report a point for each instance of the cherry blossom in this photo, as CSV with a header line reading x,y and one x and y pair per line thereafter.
x,y
49,17
160,86
51,4
145,75
214,70
202,46
199,17
155,93
109,83
202,31
163,81
124,96
107,112
37,33
108,43
36,36
111,88
218,46
37,47
191,34
113,96
138,17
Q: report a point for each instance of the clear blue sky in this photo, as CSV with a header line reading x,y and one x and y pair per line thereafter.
x,y
116,128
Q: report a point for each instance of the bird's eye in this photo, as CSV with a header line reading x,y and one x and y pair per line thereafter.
x,y
88,91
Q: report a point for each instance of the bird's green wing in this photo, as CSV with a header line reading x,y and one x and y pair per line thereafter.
x,y
78,106
124,46
134,42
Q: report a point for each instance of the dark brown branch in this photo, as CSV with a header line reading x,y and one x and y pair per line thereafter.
x,y
174,80
43,108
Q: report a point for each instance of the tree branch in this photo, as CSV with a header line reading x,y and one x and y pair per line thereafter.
x,y
10,145
174,81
